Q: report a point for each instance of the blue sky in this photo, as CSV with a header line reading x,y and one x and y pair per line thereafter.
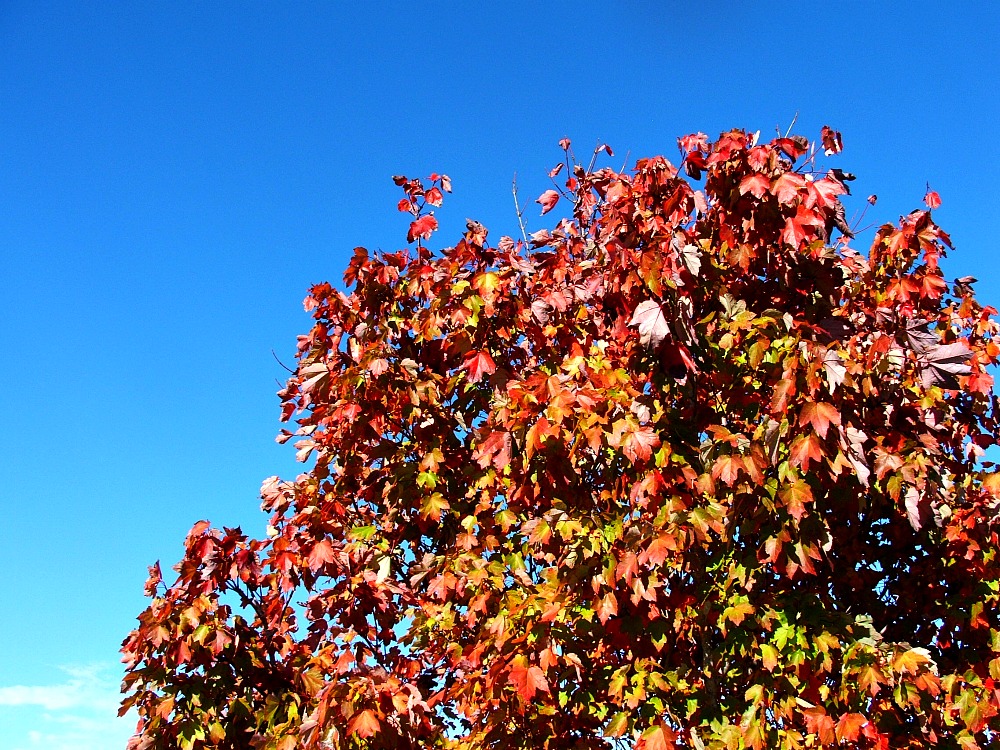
x,y
173,178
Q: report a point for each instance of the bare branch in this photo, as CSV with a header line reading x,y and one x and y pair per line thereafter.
x,y
518,209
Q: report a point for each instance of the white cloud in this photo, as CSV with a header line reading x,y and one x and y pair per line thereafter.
x,y
78,713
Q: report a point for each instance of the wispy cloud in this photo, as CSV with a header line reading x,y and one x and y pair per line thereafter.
x,y
77,713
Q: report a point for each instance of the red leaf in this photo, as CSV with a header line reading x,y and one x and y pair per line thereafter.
x,y
693,142
564,144
932,199
527,678
548,200
434,197
321,553
422,227
801,226
478,364
824,192
786,188
495,449
728,468
793,147
756,184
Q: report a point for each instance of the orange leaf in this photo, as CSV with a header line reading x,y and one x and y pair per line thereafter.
x,y
658,737
728,468
364,724
805,448
820,415
607,607
849,727
818,722
795,496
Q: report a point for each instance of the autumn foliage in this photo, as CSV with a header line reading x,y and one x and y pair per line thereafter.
x,y
686,470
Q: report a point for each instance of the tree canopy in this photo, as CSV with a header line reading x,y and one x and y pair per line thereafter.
x,y
685,470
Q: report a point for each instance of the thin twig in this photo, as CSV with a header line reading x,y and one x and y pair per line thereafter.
x,y
625,162
517,207
792,124
593,159
281,363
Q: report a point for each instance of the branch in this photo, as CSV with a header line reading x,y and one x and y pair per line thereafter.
x,y
518,209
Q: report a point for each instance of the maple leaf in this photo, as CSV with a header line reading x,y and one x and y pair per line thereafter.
x,y
618,725
932,199
849,727
727,468
801,226
652,324
943,364
658,550
795,496
527,678
548,200
638,442
607,607
364,724
911,661
786,188
478,364
756,184
321,554
693,142
495,449
658,737
819,723
805,448
422,228
433,505
434,197
820,415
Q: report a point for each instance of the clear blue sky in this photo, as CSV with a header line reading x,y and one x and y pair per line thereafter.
x,y
174,176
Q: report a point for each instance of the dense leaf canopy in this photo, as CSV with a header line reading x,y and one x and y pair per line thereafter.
x,y
685,470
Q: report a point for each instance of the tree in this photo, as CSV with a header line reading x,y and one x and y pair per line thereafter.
x,y
686,470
